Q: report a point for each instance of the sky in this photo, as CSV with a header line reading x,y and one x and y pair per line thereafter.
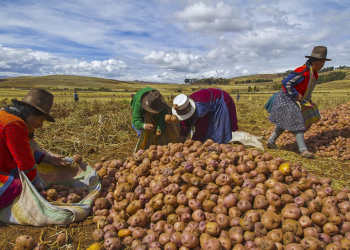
x,y
166,40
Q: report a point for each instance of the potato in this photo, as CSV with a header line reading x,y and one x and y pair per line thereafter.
x,y
112,244
293,226
270,220
62,239
212,228
98,235
77,158
95,246
189,240
24,242
311,243
293,246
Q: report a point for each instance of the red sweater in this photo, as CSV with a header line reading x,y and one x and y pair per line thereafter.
x,y
15,150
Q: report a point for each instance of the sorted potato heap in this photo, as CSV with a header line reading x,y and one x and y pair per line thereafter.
x,y
329,137
211,196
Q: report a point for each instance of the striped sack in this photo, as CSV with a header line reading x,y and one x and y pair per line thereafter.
x,y
310,114
30,208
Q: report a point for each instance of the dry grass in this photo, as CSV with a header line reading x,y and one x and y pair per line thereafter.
x,y
91,129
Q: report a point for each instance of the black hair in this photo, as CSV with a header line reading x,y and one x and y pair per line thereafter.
x,y
22,110
308,64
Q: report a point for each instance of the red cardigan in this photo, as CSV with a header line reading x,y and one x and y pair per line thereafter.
x,y
294,84
15,150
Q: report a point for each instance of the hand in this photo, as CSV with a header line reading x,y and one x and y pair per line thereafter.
x,y
159,132
299,97
149,127
56,160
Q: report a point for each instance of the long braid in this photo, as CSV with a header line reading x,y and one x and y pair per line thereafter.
x,y
308,64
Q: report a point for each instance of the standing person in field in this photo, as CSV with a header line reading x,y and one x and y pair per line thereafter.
x,y
293,108
210,111
76,98
151,101
238,97
17,125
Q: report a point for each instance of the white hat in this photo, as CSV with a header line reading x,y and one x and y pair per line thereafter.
x,y
183,107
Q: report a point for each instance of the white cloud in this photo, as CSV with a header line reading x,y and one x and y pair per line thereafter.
x,y
27,61
168,41
176,60
207,18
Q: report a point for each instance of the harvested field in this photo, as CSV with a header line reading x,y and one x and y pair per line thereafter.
x,y
103,128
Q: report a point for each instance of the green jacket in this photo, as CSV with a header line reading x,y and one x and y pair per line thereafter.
x,y
138,112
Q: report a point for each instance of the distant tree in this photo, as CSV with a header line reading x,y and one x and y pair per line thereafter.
x,y
250,89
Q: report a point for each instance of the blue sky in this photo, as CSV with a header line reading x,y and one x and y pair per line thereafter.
x,y
166,40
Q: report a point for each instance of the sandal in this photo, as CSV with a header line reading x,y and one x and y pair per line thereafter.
x,y
272,145
307,154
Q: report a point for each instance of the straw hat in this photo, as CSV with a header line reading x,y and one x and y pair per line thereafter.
x,y
319,52
39,99
183,107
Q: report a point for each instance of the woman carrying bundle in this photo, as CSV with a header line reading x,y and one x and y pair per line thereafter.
x,y
17,124
211,112
292,108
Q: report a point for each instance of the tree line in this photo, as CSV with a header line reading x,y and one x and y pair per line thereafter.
x,y
207,81
333,76
254,89
286,73
254,81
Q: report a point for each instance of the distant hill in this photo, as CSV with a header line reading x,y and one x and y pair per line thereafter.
x,y
70,82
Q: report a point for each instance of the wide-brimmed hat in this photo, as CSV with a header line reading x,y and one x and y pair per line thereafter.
x,y
153,101
183,107
39,99
319,52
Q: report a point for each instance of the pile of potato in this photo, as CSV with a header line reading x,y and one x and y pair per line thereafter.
x,y
217,197
329,137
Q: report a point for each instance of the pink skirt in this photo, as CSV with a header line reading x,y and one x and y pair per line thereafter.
x,y
11,193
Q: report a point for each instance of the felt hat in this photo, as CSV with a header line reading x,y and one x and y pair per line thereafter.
x,y
39,99
153,101
319,52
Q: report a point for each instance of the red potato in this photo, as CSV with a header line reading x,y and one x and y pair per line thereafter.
x,y
112,244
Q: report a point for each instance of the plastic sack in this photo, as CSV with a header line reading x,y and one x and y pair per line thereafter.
x,y
247,139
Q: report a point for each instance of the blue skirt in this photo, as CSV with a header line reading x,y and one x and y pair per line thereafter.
x,y
286,114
